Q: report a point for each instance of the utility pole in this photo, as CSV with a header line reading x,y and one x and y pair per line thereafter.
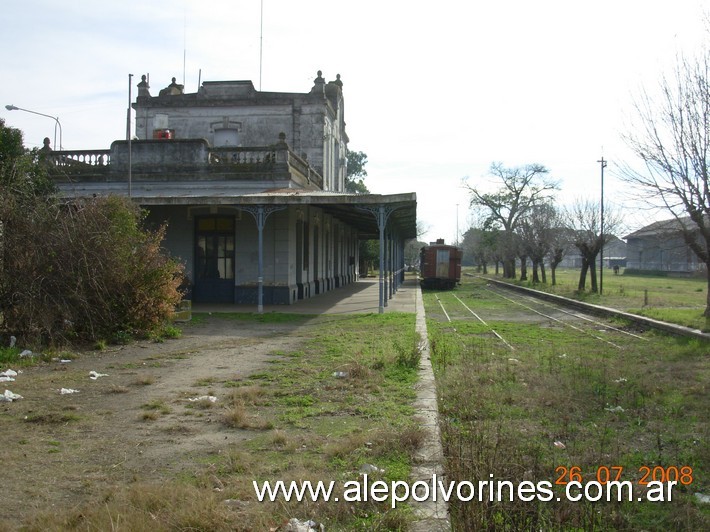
x,y
128,138
601,230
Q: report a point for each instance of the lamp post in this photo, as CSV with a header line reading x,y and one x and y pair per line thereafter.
x,y
14,108
601,230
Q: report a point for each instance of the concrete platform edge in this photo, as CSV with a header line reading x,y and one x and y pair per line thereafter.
x,y
432,516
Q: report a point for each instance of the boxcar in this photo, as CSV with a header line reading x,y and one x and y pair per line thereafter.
x,y
440,265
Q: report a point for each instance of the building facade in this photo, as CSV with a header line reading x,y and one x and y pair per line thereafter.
x,y
251,186
660,247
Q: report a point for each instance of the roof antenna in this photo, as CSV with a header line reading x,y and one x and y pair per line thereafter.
x,y
261,41
184,45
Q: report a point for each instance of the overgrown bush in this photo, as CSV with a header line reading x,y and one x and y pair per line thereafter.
x,y
83,270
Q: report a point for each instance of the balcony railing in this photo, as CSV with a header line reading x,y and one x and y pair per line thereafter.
x,y
153,158
79,158
236,156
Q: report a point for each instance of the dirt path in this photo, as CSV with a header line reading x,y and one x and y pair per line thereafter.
x,y
134,424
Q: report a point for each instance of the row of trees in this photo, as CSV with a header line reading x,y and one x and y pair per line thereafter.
x,y
520,224
670,135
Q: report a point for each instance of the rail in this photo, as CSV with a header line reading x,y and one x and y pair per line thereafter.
x,y
671,328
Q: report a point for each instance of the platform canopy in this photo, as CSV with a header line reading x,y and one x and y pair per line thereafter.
x,y
357,210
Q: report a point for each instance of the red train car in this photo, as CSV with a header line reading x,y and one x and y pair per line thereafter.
x,y
440,265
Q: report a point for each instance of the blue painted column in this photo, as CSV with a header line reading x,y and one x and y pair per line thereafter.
x,y
381,214
260,214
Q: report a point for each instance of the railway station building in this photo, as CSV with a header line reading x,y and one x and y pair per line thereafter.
x,y
251,185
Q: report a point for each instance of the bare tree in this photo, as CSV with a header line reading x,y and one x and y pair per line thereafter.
x,y
520,188
536,231
561,242
584,220
672,138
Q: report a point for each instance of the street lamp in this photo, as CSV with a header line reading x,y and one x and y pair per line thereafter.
x,y
14,108
601,230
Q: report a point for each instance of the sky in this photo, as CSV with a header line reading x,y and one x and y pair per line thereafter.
x,y
435,92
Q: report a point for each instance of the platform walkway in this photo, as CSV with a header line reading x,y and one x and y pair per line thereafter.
x,y
361,297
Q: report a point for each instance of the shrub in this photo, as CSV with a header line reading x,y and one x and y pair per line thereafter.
x,y
84,271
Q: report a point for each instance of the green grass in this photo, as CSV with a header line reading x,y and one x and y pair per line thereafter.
x,y
11,356
502,411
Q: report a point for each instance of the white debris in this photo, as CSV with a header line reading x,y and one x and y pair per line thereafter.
x,y
614,409
294,525
370,468
559,444
514,360
13,341
563,355
9,397
68,391
705,499
26,353
210,398
8,375
340,374
64,361
93,375
620,380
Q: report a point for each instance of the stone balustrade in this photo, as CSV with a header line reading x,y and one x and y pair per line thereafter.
x,y
78,158
234,156
182,158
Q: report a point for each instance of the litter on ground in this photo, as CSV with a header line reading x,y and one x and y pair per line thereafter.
x,y
93,375
370,468
8,375
67,391
294,525
210,398
9,397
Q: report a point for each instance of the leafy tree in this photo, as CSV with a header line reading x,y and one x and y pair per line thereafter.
x,y
21,174
671,136
520,189
356,172
369,250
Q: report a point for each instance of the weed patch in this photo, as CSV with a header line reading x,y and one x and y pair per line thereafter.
x,y
562,399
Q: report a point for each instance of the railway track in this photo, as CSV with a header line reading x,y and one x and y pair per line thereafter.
x,y
454,310
590,310
526,302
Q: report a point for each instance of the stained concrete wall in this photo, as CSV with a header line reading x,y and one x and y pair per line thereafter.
x,y
326,236
313,122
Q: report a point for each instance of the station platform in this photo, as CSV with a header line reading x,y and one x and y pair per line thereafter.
x,y
361,297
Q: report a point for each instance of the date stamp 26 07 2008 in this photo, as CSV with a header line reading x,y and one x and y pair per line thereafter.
x,y
650,480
